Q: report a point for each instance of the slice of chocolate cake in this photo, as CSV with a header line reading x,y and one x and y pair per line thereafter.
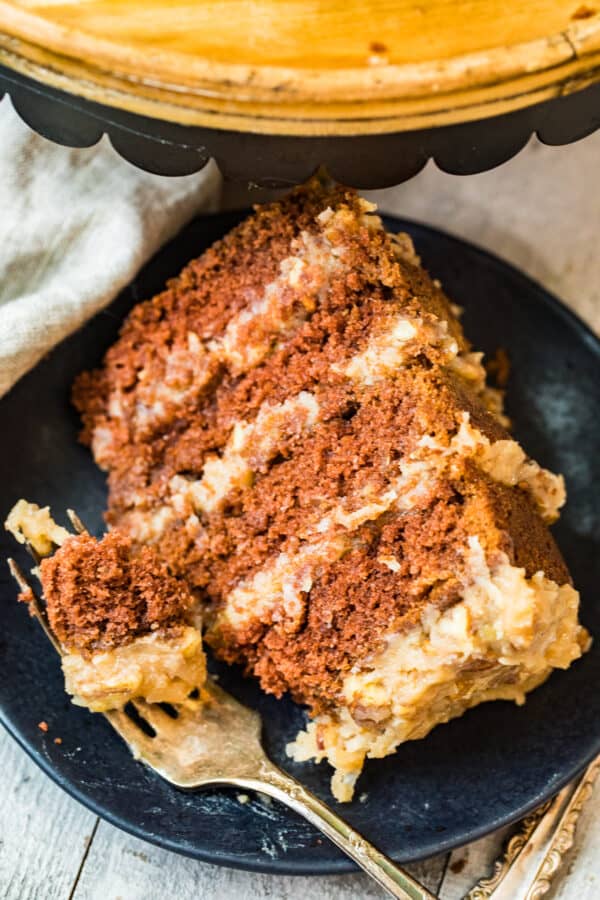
x,y
299,427
127,627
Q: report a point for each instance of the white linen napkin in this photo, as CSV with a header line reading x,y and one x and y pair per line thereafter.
x,y
75,227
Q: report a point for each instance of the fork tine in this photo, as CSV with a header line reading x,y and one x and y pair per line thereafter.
x,y
18,575
140,744
76,522
153,714
36,603
36,557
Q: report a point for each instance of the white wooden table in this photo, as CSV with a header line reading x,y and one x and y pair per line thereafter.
x,y
542,212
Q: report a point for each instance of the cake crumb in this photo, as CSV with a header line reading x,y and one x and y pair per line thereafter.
x,y
43,726
457,866
58,740
498,367
363,797
242,798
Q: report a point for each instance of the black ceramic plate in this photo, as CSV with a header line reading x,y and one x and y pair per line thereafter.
x,y
468,777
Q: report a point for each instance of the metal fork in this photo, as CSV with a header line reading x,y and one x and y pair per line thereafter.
x,y
220,744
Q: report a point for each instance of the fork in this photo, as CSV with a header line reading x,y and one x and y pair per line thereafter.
x,y
219,744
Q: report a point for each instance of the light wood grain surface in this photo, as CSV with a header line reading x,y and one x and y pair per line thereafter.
x,y
542,212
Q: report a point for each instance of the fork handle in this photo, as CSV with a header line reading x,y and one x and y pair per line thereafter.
x,y
283,787
534,854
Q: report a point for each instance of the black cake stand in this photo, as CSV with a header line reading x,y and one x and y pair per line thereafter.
x,y
363,161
